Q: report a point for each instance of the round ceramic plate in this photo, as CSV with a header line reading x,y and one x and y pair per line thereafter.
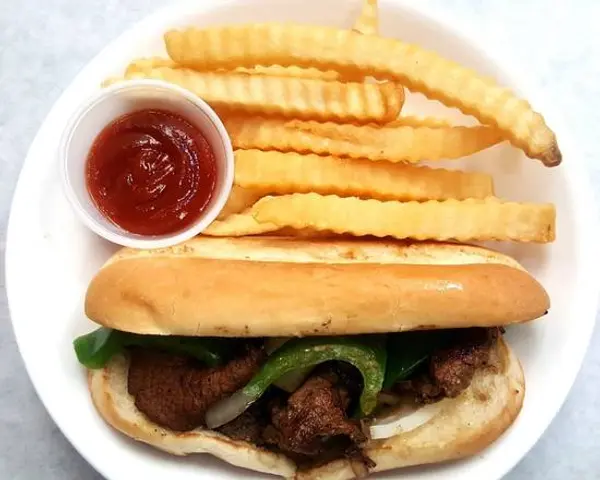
x,y
51,256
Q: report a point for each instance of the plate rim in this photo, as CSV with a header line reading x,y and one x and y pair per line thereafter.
x,y
582,193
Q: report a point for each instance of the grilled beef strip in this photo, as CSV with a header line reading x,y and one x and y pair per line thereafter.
x,y
450,370
312,425
175,391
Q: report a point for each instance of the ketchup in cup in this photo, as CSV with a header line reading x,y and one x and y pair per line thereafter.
x,y
151,172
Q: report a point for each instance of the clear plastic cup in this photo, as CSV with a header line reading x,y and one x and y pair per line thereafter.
x,y
127,97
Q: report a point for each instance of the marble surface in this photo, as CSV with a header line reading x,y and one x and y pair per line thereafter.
x,y
44,43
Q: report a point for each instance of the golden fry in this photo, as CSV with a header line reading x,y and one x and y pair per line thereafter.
x,y
240,199
283,173
107,82
384,58
414,121
466,220
238,225
148,63
405,143
291,71
287,96
368,21
393,144
248,132
302,232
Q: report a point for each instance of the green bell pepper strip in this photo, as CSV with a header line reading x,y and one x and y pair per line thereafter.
x,y
407,351
96,348
368,355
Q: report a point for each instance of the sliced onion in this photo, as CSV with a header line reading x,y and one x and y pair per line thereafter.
x,y
404,421
228,409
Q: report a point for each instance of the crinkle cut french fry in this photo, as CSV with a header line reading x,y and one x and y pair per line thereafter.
x,y
148,63
240,199
462,220
351,53
368,21
291,71
107,82
405,143
238,225
283,173
393,144
287,96
401,121
250,132
414,121
302,232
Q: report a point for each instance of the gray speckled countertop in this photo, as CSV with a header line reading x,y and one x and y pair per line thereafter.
x,y
44,43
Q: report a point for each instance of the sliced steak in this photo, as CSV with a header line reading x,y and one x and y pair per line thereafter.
x,y
313,415
175,391
249,426
451,369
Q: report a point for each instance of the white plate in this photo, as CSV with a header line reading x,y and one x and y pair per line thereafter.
x,y
51,256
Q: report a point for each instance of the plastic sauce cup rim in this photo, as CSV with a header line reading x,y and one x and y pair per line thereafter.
x,y
123,237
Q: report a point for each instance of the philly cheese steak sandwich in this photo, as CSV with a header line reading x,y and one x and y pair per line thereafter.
x,y
309,358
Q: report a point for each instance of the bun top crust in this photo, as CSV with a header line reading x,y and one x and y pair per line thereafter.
x,y
273,286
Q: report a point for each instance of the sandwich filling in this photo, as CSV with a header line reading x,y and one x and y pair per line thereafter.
x,y
312,399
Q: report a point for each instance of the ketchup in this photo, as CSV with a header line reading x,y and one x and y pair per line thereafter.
x,y
151,172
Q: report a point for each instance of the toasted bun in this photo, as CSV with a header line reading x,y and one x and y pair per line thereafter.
x,y
108,387
462,427
247,287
